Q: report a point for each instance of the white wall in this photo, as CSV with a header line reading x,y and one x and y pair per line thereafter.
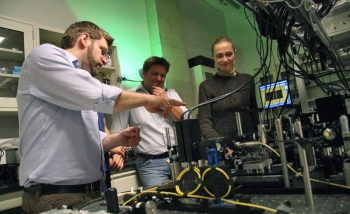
x,y
244,37
202,24
52,13
126,21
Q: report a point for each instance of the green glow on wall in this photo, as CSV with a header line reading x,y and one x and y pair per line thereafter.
x,y
127,23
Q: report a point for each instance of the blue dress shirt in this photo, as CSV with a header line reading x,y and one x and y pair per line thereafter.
x,y
60,142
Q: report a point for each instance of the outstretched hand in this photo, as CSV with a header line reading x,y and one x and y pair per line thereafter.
x,y
162,105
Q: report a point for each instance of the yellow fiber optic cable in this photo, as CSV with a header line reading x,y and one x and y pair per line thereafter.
x,y
180,176
135,196
224,173
300,174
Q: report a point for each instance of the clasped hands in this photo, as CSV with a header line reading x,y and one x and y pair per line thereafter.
x,y
116,158
129,137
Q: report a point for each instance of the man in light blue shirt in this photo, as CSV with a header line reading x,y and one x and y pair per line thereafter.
x,y
61,147
151,153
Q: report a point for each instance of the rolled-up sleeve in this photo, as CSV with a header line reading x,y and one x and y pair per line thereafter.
x,y
58,67
102,135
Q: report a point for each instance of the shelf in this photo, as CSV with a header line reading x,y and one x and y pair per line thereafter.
x,y
8,112
107,70
8,79
327,82
50,36
10,75
11,55
8,106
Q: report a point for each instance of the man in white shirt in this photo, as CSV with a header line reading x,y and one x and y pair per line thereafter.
x,y
151,153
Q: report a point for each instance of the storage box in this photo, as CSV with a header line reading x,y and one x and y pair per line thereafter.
x,y
17,70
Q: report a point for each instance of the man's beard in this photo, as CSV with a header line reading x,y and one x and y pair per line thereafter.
x,y
92,62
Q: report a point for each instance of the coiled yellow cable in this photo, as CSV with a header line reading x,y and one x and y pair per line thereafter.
x,y
181,174
224,173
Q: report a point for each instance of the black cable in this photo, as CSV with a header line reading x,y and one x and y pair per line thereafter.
x,y
298,139
283,14
123,78
190,110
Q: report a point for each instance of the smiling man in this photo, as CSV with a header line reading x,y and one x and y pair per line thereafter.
x,y
151,157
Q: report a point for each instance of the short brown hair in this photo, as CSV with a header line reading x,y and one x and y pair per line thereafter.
x,y
155,60
222,39
75,30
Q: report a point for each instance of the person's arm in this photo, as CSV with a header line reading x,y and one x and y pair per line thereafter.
x,y
204,115
116,155
129,137
105,126
81,91
55,80
175,111
116,158
153,104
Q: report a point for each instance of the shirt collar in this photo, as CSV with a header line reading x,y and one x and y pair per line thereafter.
x,y
76,63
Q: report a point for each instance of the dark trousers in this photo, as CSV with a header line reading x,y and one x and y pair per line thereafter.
x,y
37,203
